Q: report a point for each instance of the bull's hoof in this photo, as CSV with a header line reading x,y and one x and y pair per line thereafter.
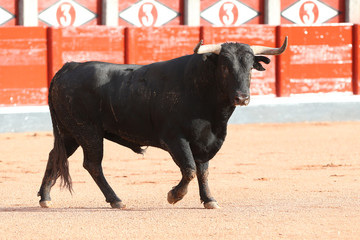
x,y
45,204
171,198
118,205
211,205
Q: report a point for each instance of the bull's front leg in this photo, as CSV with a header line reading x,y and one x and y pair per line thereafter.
x,y
181,153
202,173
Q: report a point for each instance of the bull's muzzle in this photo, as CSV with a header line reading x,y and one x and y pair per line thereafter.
x,y
242,99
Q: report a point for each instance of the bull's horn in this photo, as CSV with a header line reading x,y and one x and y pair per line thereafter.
x,y
261,50
209,48
196,48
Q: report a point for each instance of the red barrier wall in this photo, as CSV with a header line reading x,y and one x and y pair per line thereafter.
x,y
23,66
93,43
148,45
356,59
7,13
319,59
262,83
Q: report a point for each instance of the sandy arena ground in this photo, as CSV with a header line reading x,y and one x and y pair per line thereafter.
x,y
273,181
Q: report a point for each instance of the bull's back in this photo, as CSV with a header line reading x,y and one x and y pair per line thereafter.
x,y
104,95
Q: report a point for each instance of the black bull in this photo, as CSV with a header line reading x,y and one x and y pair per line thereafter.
x,y
181,105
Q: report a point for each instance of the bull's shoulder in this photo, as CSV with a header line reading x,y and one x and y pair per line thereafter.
x,y
170,70
176,62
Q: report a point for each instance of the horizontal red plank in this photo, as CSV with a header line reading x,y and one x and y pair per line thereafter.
x,y
30,56
148,45
250,34
319,71
318,59
356,58
20,32
23,65
23,96
92,43
16,76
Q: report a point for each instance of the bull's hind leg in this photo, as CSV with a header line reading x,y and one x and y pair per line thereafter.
x,y
49,179
202,173
182,155
93,155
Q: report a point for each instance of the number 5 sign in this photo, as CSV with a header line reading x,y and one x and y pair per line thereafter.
x,y
66,13
308,12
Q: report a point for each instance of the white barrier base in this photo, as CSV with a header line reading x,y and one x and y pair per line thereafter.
x,y
262,109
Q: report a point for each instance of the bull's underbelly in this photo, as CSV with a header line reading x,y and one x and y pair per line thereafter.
x,y
129,118
139,122
140,134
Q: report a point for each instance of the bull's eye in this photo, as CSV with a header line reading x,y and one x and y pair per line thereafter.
x,y
225,70
249,79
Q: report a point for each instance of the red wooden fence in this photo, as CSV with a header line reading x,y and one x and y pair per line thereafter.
x,y
148,45
319,59
23,66
93,43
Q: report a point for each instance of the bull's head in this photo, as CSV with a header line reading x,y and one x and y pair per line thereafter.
x,y
234,64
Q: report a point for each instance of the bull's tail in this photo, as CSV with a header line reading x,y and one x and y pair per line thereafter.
x,y
58,159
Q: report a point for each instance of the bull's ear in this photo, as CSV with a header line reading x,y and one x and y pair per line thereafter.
x,y
257,64
210,57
